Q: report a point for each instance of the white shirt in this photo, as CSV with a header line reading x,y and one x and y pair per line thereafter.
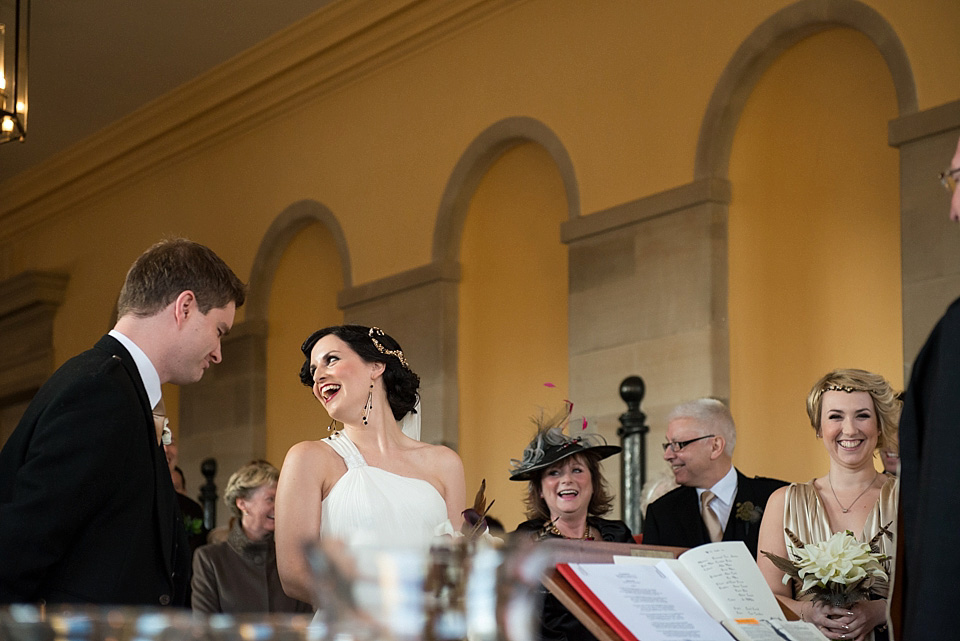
x,y
725,490
148,373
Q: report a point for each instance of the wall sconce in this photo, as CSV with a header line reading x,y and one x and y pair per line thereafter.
x,y
14,45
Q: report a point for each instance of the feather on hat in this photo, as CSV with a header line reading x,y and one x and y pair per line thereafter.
x,y
550,445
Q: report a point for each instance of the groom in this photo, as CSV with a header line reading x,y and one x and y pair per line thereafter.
x,y
88,513
715,501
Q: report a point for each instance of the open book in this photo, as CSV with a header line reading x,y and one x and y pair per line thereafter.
x,y
710,593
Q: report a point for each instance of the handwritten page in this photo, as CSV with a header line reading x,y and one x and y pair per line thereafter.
x,y
649,603
724,578
729,574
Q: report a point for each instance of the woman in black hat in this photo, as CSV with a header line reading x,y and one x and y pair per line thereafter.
x,y
566,498
566,492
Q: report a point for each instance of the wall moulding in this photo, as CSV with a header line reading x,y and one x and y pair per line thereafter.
x,y
390,286
707,190
929,122
341,43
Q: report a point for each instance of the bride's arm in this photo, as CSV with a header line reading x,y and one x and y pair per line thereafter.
x,y
454,486
298,505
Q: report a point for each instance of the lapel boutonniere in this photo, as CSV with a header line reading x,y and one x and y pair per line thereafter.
x,y
192,525
748,512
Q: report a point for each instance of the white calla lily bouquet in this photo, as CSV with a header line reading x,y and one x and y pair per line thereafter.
x,y
839,571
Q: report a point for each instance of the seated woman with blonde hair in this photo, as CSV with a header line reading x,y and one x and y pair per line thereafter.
x,y
240,574
855,413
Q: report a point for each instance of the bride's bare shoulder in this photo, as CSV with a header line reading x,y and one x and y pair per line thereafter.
x,y
308,448
440,455
309,455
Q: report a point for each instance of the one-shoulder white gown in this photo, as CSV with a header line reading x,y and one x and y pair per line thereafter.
x,y
370,506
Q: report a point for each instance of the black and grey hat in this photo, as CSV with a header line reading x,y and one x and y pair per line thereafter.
x,y
551,445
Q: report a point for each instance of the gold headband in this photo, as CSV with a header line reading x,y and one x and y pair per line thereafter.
x,y
376,331
839,388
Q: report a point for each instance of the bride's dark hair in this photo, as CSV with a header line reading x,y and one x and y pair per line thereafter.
x,y
399,381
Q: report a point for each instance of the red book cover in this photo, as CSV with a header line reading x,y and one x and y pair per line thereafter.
x,y
571,576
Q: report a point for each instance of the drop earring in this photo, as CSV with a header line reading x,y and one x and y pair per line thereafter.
x,y
368,407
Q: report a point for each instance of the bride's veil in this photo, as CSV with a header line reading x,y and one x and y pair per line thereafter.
x,y
410,424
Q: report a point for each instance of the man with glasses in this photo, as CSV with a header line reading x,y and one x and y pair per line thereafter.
x,y
927,560
715,501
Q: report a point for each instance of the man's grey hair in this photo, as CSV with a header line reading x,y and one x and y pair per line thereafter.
x,y
713,415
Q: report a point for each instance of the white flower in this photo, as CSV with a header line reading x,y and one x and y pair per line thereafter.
x,y
841,563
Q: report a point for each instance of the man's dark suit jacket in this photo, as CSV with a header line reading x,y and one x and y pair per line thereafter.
x,y
88,513
674,518
929,478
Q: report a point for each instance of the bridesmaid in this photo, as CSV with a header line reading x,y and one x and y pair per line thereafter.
x,y
855,413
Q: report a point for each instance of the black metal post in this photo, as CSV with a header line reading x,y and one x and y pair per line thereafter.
x,y
208,493
633,438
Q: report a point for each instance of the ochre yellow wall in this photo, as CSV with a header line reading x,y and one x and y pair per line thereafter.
x,y
624,87
513,319
303,299
814,238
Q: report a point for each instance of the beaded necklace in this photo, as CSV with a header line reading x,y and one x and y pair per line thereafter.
x,y
555,531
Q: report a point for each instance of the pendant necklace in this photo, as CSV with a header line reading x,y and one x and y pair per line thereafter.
x,y
854,502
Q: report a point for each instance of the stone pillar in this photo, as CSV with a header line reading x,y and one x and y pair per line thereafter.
x,y
28,304
930,256
225,413
648,293
419,309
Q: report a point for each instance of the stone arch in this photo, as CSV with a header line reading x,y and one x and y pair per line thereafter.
x,y
774,36
290,221
752,300
473,165
225,413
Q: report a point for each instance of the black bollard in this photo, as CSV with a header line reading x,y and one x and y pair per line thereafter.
x,y
208,493
633,438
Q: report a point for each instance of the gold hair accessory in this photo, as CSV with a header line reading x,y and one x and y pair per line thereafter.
x,y
839,388
376,331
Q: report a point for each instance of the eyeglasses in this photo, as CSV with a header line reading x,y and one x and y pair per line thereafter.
x,y
948,179
676,446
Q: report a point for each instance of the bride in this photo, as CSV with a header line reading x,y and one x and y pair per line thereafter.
x,y
372,481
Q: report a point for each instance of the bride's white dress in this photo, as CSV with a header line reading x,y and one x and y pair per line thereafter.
x,y
370,506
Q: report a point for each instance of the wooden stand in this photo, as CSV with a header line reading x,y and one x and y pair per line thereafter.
x,y
568,551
